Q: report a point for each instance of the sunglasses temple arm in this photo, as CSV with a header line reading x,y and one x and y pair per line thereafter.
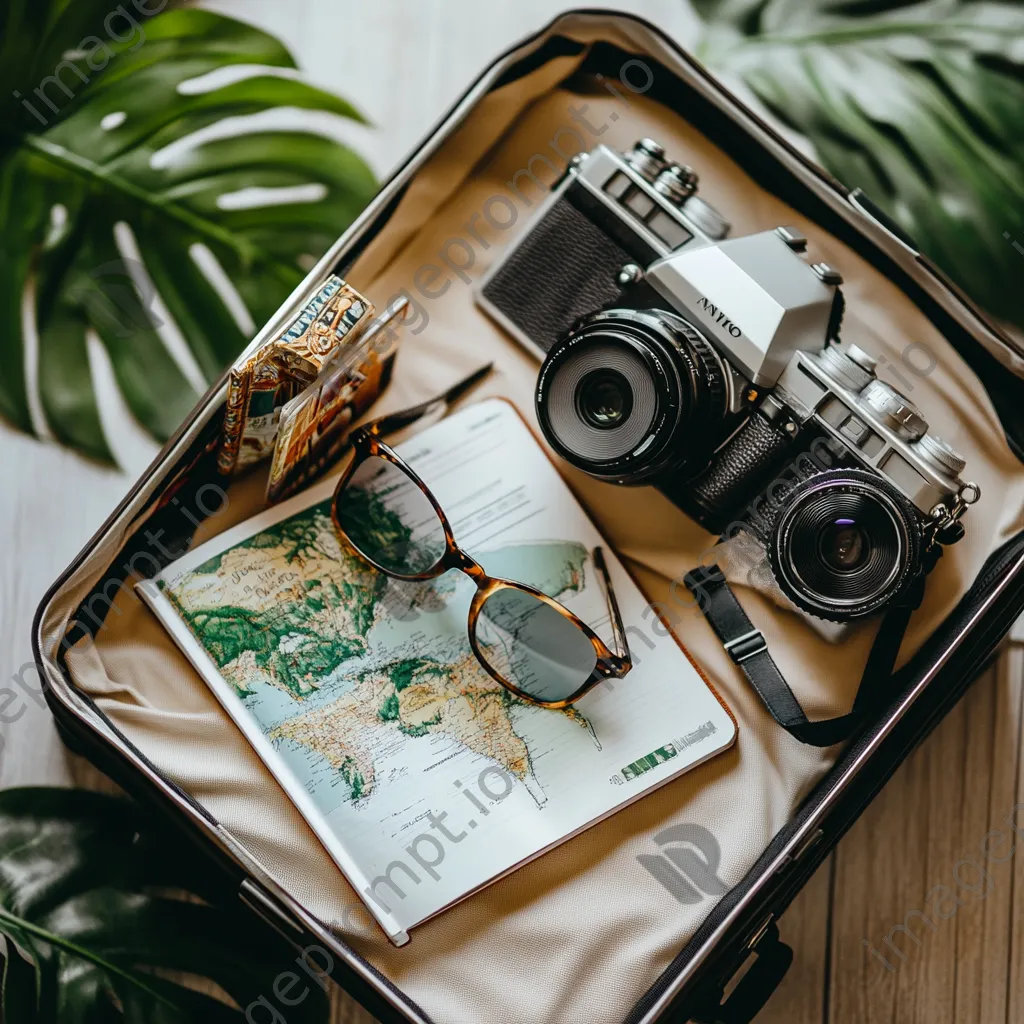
x,y
404,417
618,630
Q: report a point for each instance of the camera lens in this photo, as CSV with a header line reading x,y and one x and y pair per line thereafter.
x,y
628,394
604,399
844,544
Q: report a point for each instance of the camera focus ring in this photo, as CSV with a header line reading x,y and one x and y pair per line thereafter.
x,y
710,366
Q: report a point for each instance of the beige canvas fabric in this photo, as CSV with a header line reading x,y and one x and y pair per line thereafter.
x,y
581,933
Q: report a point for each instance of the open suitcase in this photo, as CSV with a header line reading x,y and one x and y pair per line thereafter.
x,y
596,930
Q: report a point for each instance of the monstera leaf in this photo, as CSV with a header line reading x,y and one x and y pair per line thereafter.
x,y
137,198
91,930
920,105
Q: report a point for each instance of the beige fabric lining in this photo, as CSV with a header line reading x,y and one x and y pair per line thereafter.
x,y
581,933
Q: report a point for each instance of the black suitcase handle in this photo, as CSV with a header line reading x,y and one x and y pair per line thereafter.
x,y
772,960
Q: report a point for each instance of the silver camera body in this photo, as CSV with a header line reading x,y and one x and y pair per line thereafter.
x,y
841,415
650,216
608,210
711,368
837,393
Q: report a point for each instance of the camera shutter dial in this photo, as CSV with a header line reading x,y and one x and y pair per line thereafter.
x,y
706,218
941,454
844,367
647,158
863,359
676,183
896,411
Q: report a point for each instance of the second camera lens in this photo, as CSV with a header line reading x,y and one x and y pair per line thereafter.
x,y
844,544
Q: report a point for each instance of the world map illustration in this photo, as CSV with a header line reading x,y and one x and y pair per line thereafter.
x,y
341,666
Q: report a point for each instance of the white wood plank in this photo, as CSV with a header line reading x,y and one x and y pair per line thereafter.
x,y
1012,669
52,502
402,64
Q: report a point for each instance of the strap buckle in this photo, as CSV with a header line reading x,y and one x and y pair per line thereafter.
x,y
741,648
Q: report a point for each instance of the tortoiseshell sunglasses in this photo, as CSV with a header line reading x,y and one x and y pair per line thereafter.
x,y
528,642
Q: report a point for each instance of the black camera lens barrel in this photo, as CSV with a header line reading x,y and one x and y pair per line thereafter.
x,y
845,544
567,392
632,396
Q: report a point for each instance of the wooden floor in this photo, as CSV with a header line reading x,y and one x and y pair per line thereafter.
x,y
403,63
927,829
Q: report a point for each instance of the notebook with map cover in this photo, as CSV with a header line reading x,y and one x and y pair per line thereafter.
x,y
423,778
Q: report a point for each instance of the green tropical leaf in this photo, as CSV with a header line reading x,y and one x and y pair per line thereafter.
x,y
921,105
115,201
93,927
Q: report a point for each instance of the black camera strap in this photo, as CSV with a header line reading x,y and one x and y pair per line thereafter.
x,y
747,647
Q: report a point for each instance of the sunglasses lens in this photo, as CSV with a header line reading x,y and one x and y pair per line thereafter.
x,y
389,519
534,647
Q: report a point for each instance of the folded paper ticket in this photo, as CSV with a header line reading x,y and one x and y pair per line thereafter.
x,y
312,429
281,369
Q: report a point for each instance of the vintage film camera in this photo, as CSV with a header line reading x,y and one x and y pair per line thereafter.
x,y
711,368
